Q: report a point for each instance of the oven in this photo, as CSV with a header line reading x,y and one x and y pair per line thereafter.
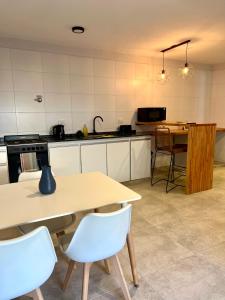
x,y
25,153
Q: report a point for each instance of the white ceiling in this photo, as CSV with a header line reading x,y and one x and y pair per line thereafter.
x,y
139,27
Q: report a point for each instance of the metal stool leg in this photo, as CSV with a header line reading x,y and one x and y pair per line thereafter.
x,y
153,167
169,173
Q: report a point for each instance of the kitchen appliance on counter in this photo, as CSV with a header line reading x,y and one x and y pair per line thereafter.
x,y
58,132
125,130
25,153
151,114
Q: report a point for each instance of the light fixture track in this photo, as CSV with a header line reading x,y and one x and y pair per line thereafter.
x,y
175,46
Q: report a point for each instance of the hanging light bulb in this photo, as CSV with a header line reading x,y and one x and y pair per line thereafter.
x,y
163,72
186,69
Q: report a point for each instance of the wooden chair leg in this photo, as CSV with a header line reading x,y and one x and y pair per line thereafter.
x,y
130,247
58,234
120,276
68,274
107,266
86,274
36,295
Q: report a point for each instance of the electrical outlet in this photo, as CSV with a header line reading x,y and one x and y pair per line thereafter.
x,y
61,122
120,121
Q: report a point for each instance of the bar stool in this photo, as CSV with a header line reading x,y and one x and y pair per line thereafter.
x,y
54,225
164,145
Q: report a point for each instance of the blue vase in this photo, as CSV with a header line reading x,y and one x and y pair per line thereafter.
x,y
47,184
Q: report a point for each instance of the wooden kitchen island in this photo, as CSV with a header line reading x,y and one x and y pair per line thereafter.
x,y
200,153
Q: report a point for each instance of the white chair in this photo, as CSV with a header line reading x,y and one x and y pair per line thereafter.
x,y
25,264
55,225
99,236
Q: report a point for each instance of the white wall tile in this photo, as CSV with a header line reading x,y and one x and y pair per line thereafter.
x,y
104,103
125,70
104,68
6,81
75,89
7,102
104,86
57,102
55,63
141,71
81,65
83,103
8,123
27,81
125,103
81,118
24,102
26,60
56,83
31,123
5,63
81,84
125,86
59,118
125,117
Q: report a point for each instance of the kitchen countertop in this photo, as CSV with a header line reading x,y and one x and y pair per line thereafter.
x,y
91,137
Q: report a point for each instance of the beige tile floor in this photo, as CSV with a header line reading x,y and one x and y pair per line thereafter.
x,y
180,248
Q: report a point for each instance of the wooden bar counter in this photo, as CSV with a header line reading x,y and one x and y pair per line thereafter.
x,y
200,154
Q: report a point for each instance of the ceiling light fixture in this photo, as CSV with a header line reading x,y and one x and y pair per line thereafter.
x,y
78,29
185,70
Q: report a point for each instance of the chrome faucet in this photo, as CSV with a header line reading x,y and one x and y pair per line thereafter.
x,y
95,118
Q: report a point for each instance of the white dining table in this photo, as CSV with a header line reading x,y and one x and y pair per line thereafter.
x,y
22,203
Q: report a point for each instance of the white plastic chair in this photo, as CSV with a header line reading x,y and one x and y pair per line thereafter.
x,y
25,264
55,225
99,236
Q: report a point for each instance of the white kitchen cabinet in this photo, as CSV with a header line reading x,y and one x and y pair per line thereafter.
x,y
140,159
4,177
93,158
118,160
65,160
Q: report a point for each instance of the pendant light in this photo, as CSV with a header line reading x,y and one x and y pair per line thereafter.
x,y
163,72
186,68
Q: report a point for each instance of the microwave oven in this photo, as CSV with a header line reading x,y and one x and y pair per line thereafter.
x,y
151,114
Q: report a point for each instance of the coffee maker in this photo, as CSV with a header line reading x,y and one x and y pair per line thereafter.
x,y
58,132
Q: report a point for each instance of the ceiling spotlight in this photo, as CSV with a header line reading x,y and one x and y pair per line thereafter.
x,y
78,29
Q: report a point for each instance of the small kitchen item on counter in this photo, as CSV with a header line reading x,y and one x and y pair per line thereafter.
x,y
47,184
79,134
58,132
151,114
85,130
125,130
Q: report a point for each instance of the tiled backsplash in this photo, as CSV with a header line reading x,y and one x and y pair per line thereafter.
x,y
75,89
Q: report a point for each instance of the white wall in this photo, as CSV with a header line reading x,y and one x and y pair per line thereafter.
x,y
218,109
75,89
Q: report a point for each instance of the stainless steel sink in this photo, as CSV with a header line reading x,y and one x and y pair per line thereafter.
x,y
101,136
